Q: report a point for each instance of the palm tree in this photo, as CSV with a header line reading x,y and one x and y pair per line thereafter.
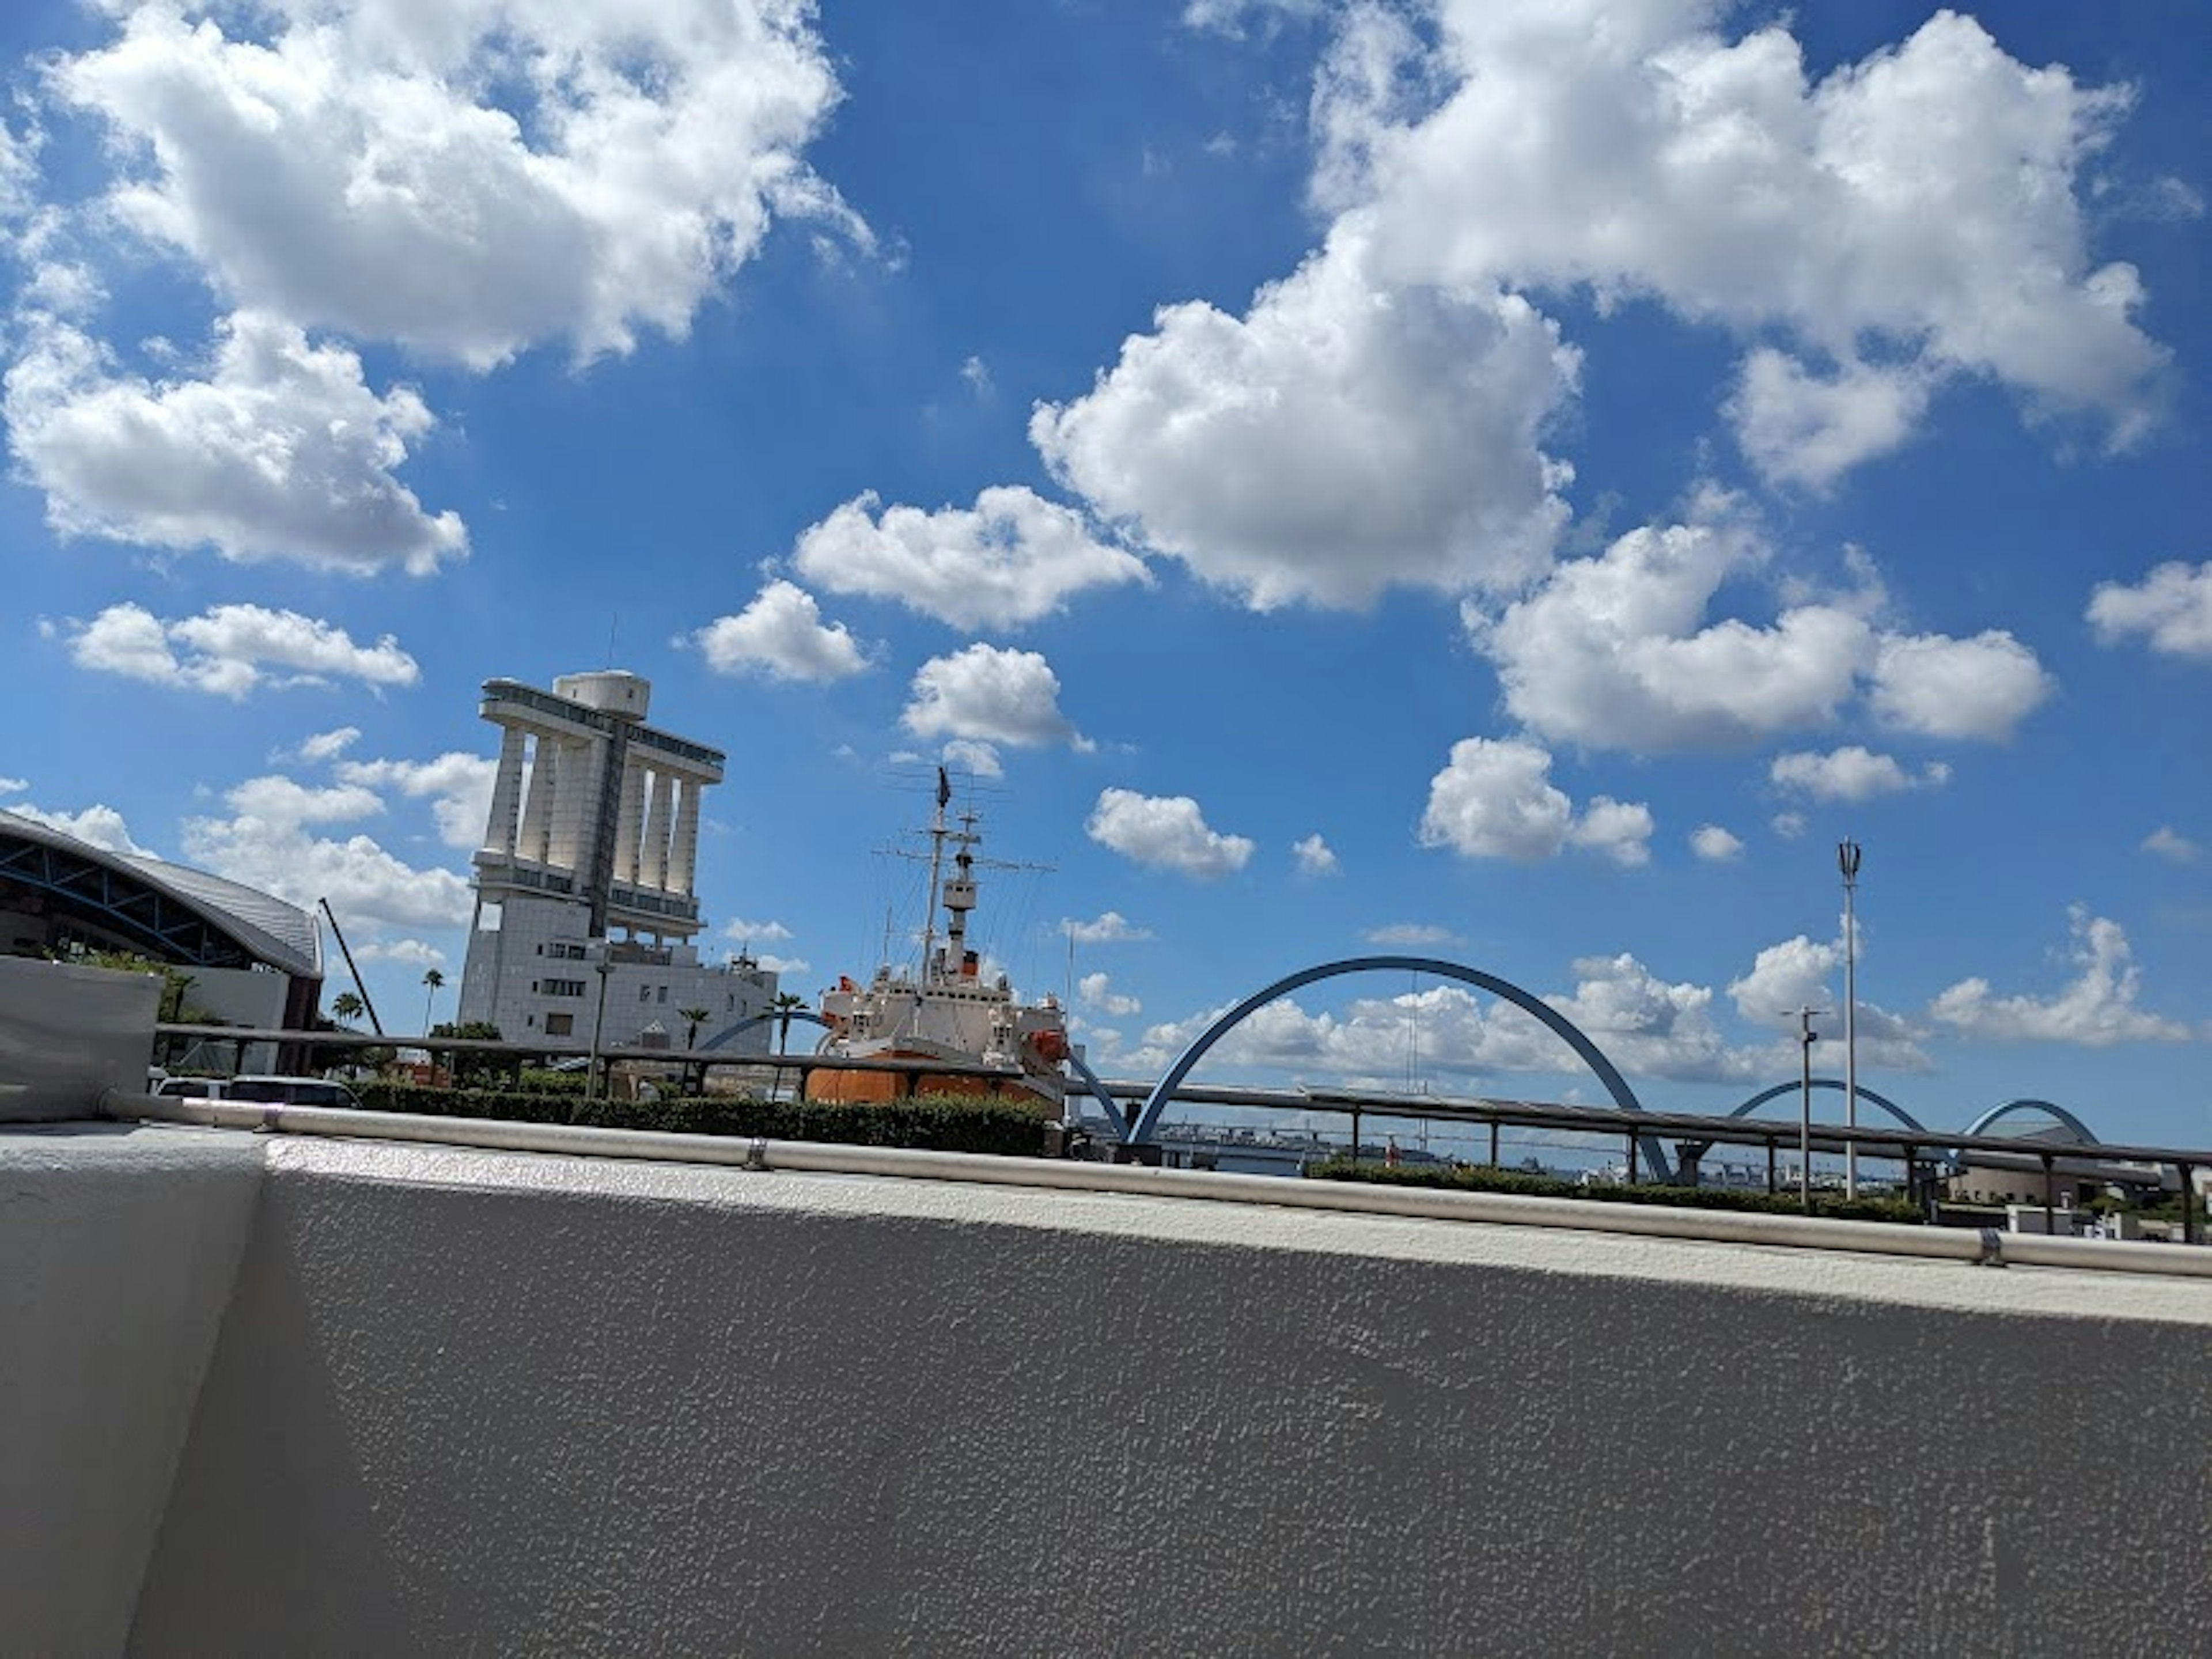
x,y
784,1002
693,1018
436,982
346,1007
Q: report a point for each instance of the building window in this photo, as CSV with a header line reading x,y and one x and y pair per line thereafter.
x,y
560,1024
663,996
560,988
644,993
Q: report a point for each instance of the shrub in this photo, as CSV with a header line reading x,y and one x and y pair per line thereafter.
x,y
941,1124
1481,1178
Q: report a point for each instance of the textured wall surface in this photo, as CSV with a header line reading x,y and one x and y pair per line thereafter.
x,y
118,1251
69,1033
476,1399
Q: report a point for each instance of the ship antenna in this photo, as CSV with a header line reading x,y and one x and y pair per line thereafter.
x,y
936,868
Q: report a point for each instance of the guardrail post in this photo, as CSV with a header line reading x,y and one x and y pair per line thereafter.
x,y
2188,1174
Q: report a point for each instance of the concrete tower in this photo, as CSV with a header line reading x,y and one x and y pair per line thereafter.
x,y
589,859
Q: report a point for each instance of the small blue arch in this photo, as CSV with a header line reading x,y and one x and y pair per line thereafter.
x,y
1866,1094
730,1032
1615,1085
2081,1131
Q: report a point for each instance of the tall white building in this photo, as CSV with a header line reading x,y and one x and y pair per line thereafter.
x,y
585,895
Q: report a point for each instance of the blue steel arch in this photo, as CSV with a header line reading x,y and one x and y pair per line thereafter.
x,y
1559,1023
1981,1124
727,1032
1866,1094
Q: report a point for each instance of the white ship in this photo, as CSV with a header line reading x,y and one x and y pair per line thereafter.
x,y
948,1013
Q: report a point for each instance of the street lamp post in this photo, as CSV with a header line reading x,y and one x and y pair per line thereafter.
x,y
1806,1038
599,1024
1847,860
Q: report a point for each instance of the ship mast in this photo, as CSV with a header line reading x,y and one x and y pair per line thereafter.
x,y
937,833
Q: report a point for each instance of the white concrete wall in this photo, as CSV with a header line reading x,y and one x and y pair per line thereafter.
x,y
466,1399
68,1033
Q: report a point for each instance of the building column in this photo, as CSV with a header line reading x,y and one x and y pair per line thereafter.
x,y
631,822
684,856
576,812
657,829
499,829
537,807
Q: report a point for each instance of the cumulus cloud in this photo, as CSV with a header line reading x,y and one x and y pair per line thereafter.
x,y
977,760
1337,440
1711,842
1788,825
1802,972
990,694
1938,687
407,952
1096,992
763,933
781,634
1922,201
99,825
1614,651
2170,609
1011,559
1109,927
2096,1008
231,649
269,841
1851,774
470,178
1314,856
457,786
14,786
1797,428
2165,841
281,453
1494,798
1168,832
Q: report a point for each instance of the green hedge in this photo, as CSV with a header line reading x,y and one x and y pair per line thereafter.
x,y
1481,1178
934,1124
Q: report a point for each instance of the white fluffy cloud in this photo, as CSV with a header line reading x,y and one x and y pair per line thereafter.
x,y
1168,832
2171,846
2096,1008
1938,687
1617,651
1314,856
781,634
1851,774
765,932
1013,558
2171,609
1339,439
99,825
990,694
977,760
466,178
326,745
1797,428
1096,992
1109,927
1800,972
232,649
268,842
1614,651
281,452
1922,200
457,786
1714,844
1494,798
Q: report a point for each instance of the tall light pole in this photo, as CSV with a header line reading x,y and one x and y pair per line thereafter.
x,y
1806,1039
1847,860
599,1024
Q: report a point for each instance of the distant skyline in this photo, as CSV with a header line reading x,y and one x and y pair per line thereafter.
x,y
1513,481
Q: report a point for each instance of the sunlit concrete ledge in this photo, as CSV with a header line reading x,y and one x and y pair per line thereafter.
x,y
261,1393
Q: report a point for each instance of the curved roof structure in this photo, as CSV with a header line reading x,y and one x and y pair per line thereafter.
x,y
170,912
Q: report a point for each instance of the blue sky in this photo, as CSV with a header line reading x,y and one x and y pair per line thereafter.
x,y
1509,482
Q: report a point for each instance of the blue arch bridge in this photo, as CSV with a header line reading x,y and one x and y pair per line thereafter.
x,y
1141,1125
